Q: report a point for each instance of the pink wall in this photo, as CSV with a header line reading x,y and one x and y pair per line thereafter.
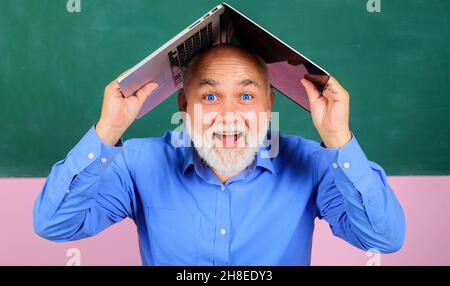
x,y
426,201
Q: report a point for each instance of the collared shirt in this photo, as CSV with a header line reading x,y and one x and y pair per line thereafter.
x,y
185,216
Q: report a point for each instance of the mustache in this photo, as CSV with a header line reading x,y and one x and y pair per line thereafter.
x,y
207,138
229,128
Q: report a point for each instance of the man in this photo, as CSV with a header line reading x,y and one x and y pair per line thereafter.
x,y
224,202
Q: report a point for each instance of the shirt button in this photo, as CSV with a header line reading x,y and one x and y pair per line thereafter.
x,y
223,231
222,188
67,191
91,155
335,165
103,160
346,165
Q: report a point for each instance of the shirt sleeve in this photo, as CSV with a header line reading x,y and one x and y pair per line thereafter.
x,y
354,197
85,192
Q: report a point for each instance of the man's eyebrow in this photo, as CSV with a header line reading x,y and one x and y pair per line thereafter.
x,y
211,82
207,81
248,81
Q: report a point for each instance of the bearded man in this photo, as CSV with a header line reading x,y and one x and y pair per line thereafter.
x,y
227,197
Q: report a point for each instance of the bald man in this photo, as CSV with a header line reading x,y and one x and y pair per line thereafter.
x,y
222,199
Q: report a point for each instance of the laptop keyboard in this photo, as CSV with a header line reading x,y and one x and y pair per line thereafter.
x,y
180,57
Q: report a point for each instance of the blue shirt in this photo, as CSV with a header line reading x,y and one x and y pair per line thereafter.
x,y
185,216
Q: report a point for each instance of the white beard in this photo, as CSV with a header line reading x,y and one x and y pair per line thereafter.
x,y
227,160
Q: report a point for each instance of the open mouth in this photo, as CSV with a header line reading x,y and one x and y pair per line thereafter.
x,y
228,139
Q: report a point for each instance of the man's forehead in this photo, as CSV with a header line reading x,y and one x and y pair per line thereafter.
x,y
236,61
242,71
227,63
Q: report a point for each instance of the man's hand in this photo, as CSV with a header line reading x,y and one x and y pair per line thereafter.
x,y
329,111
118,112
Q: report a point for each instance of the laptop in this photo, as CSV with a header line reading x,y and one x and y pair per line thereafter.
x,y
222,24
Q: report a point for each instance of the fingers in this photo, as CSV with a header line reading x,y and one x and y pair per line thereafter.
x,y
334,90
113,89
145,91
317,79
311,90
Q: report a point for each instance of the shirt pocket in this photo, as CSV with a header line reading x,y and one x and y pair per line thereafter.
x,y
174,235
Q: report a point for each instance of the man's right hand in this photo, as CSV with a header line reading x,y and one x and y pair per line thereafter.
x,y
119,112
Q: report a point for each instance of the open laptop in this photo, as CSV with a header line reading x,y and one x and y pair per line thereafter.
x,y
222,24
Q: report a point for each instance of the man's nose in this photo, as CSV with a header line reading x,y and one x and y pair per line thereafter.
x,y
229,108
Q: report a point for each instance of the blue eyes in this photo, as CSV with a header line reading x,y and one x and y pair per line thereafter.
x,y
244,97
211,97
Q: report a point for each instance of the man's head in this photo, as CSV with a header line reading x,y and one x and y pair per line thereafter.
x,y
228,100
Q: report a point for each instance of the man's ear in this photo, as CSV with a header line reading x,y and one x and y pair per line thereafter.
x,y
182,100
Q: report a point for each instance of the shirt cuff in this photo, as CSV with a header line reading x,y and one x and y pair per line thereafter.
x,y
348,161
352,170
89,155
92,155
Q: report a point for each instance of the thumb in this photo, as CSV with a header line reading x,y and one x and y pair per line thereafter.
x,y
311,90
145,91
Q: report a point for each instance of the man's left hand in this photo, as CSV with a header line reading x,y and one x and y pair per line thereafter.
x,y
329,111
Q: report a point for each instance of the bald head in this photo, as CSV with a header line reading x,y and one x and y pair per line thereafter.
x,y
225,54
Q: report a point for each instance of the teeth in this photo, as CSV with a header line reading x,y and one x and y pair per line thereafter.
x,y
229,133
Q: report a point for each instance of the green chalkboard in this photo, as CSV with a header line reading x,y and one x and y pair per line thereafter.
x,y
395,64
